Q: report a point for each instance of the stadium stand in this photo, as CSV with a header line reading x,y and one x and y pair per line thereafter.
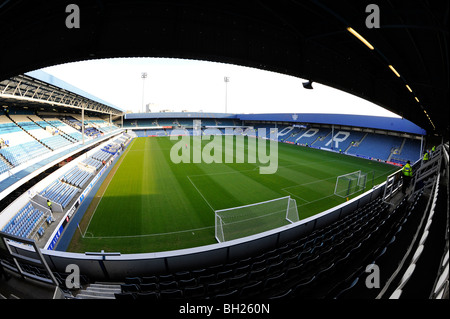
x,y
76,177
19,154
382,147
25,136
66,130
324,257
375,145
327,263
60,192
31,223
4,165
317,265
24,222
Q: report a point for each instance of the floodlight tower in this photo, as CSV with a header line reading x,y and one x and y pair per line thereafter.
x,y
143,76
226,80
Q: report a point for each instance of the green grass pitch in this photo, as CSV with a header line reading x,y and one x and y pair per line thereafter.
x,y
151,204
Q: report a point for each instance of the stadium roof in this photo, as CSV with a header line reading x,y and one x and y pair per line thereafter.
x,y
48,78
174,115
363,121
304,38
40,90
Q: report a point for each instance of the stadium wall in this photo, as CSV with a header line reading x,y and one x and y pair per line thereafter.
x,y
361,121
104,266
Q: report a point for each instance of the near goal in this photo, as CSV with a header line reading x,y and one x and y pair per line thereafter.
x,y
242,221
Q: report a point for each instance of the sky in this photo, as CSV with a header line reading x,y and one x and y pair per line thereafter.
x,y
199,86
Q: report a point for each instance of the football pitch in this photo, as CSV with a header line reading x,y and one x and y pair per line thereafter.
x,y
147,203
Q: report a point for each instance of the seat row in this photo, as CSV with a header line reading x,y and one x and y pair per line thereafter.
x,y
23,223
101,156
312,258
55,142
76,177
60,192
22,153
403,223
93,163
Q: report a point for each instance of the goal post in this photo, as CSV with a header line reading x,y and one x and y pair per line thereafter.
x,y
349,184
292,211
242,221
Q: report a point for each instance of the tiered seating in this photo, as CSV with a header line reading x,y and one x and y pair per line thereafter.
x,y
7,128
73,122
14,136
3,166
43,124
208,122
55,142
185,122
222,122
60,192
76,135
88,130
106,128
23,223
373,146
410,151
101,156
93,163
378,146
100,124
312,266
181,122
29,126
66,129
353,137
402,226
167,122
64,189
91,131
309,140
22,153
293,135
76,177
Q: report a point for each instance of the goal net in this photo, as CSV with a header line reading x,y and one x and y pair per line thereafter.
x,y
349,184
238,222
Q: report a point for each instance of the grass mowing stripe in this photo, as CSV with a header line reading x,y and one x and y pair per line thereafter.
x,y
152,204
212,208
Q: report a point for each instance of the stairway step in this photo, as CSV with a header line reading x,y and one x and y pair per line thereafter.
x,y
97,294
103,290
100,291
106,285
89,296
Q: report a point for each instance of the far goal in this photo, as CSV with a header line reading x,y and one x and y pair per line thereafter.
x,y
349,184
242,221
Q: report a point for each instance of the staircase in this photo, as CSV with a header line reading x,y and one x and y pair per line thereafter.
x,y
99,291
6,161
61,133
28,133
364,137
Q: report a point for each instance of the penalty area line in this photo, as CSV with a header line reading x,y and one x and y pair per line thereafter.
x,y
201,194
